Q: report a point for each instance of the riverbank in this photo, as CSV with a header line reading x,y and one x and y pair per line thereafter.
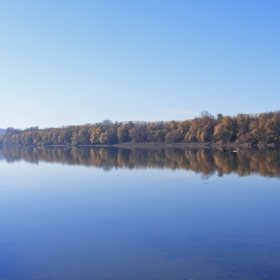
x,y
156,145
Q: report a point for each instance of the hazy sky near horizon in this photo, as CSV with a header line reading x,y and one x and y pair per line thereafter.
x,y
76,62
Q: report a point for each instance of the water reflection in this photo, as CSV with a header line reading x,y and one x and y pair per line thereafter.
x,y
265,162
67,223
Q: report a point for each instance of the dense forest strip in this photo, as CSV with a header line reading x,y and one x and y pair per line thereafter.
x,y
243,129
207,162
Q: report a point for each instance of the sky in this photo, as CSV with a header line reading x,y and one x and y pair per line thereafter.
x,y
76,62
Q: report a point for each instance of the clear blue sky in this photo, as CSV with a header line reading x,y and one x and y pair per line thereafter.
x,y
75,62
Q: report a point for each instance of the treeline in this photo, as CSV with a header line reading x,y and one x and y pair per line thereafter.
x,y
251,129
207,162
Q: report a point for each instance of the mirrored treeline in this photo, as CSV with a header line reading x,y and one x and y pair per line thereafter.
x,y
265,162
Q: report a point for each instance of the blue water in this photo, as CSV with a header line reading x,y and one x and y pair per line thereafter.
x,y
60,221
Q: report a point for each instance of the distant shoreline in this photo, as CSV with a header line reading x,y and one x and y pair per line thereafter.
x,y
153,145
205,131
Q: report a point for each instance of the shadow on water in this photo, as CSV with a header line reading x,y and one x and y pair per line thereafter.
x,y
265,162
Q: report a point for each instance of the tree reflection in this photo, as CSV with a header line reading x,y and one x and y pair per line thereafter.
x,y
207,162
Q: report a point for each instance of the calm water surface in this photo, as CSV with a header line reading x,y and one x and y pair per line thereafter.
x,y
84,213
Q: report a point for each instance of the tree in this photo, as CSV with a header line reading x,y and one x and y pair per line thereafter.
x,y
192,133
174,137
95,134
226,130
243,128
272,128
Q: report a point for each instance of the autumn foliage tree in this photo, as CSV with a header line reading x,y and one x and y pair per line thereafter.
x,y
259,129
